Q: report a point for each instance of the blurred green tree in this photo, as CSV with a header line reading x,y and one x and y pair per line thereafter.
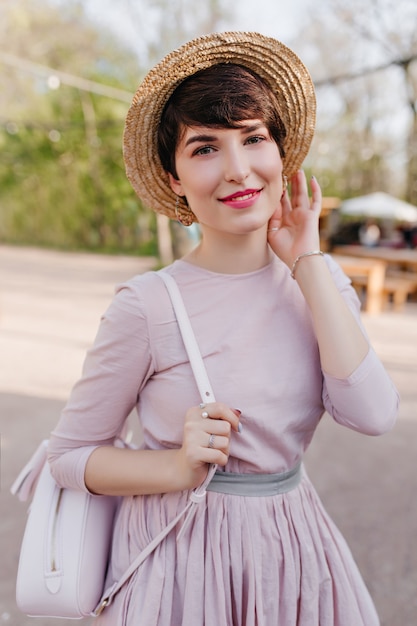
x,y
363,57
62,180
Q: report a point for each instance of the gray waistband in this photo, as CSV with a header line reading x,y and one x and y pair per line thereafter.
x,y
255,484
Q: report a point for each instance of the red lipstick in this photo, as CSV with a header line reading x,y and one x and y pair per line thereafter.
x,y
242,199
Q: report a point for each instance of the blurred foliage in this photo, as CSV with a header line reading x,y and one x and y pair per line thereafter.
x,y
363,57
62,179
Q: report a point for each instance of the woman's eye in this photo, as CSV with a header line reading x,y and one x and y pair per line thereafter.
x,y
203,150
256,139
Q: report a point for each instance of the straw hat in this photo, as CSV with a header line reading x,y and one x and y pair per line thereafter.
x,y
272,60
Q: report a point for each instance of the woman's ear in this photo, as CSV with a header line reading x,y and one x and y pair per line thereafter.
x,y
175,185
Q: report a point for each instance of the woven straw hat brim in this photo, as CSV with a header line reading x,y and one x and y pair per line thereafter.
x,y
272,60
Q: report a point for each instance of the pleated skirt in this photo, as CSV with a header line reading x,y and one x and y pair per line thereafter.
x,y
243,561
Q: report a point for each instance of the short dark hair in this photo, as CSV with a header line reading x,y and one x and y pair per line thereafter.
x,y
222,96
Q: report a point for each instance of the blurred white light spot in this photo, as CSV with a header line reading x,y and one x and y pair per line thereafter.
x,y
53,82
54,135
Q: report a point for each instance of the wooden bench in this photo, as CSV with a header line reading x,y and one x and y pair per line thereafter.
x,y
372,272
398,286
403,274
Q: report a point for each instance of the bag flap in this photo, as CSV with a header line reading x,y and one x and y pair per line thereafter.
x,y
24,484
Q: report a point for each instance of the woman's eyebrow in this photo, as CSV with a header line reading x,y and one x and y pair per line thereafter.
x,y
208,138
252,128
200,139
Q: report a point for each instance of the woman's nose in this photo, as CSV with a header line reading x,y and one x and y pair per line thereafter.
x,y
236,166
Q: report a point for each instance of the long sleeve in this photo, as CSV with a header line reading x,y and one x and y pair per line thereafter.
x,y
367,400
114,371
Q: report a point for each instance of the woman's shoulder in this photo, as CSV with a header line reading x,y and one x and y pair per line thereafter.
x,y
145,295
145,285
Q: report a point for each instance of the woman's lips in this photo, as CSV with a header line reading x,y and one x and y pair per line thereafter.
x,y
242,199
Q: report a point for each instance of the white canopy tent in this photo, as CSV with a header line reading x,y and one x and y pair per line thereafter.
x,y
380,205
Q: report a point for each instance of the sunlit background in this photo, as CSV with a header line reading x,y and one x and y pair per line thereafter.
x,y
68,70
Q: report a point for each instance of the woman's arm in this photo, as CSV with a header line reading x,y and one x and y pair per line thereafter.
x,y
115,368
357,390
116,471
342,344
124,472
294,230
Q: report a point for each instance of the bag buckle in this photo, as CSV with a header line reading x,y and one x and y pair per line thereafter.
x,y
99,610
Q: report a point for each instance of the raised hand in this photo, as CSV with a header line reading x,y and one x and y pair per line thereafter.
x,y
294,227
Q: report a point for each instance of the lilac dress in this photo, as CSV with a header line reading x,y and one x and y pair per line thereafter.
x,y
243,561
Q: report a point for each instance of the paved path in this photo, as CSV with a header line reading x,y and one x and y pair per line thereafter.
x,y
50,304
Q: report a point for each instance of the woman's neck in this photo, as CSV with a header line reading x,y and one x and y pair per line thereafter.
x,y
233,254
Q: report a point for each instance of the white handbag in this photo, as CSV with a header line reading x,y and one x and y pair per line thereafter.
x,y
65,547
67,539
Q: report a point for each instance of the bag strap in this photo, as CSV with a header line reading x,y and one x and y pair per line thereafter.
x,y
197,495
189,339
194,355
200,375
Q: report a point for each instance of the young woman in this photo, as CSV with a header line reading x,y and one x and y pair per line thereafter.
x,y
213,134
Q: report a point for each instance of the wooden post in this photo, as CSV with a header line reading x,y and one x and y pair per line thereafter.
x,y
164,239
375,288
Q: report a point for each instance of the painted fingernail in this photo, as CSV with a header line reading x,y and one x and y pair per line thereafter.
x,y
237,411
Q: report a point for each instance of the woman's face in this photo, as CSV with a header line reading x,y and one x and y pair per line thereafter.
x,y
231,177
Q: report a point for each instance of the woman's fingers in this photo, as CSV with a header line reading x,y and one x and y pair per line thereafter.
x,y
207,433
217,443
202,446
299,191
316,194
300,195
221,413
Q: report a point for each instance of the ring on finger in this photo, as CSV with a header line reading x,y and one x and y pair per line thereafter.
x,y
211,441
204,414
